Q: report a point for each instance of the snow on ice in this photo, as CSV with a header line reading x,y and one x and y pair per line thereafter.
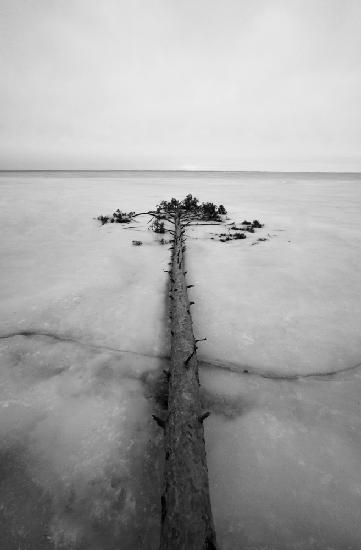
x,y
83,337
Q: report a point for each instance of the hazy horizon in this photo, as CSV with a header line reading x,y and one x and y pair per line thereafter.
x,y
205,171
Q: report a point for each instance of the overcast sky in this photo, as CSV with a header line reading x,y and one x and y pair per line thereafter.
x,y
180,84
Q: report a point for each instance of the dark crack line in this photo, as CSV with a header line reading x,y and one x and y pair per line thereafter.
x,y
69,339
269,375
229,367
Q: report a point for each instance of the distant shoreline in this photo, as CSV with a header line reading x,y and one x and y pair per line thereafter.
x,y
170,171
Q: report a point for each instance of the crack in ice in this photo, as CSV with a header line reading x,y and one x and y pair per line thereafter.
x,y
69,339
229,367
271,375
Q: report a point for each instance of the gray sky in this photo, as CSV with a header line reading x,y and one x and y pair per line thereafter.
x,y
180,84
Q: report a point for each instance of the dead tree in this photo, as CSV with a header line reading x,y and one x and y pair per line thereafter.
x,y
186,515
186,520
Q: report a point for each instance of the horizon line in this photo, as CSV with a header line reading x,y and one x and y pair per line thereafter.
x,y
2,170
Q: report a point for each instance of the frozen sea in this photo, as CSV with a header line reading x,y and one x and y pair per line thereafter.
x,y
84,338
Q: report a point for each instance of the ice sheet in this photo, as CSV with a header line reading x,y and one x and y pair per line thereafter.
x,y
84,336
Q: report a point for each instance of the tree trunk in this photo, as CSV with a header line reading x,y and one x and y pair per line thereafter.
x,y
187,522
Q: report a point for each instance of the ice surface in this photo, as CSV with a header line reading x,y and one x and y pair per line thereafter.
x,y
84,336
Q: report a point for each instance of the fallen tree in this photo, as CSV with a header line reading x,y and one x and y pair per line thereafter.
x,y
186,520
186,515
